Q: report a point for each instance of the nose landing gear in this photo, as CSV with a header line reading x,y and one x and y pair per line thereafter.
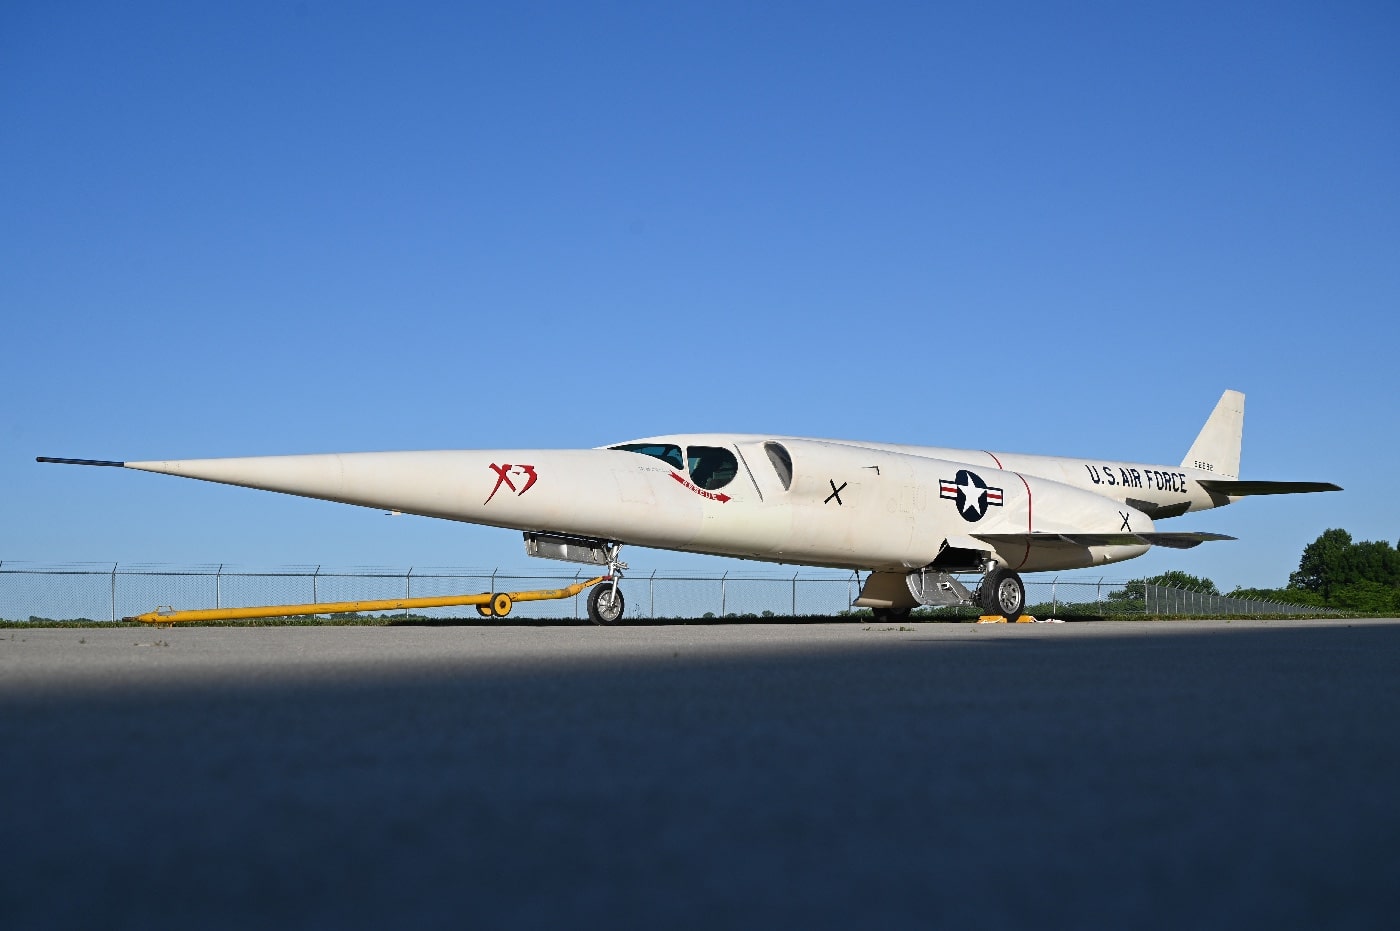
x,y
605,602
605,605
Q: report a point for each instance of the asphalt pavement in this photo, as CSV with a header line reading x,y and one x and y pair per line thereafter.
x,y
1147,775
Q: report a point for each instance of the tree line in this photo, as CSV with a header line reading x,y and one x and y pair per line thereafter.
x,y
1334,572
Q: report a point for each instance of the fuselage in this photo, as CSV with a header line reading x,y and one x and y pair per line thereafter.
x,y
842,504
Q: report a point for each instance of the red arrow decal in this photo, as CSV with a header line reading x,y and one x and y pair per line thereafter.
x,y
720,497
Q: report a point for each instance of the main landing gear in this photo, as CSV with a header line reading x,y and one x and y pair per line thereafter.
x,y
1002,592
605,602
891,596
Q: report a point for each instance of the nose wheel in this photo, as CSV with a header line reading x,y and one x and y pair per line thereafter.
x,y
605,602
1002,593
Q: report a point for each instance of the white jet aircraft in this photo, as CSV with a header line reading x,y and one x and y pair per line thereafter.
x,y
910,516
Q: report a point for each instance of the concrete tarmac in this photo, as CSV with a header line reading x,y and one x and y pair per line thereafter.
x,y
1154,775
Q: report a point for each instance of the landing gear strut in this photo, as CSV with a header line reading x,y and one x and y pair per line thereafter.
x,y
1002,593
605,602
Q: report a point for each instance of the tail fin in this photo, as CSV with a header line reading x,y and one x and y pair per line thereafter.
x,y
1217,446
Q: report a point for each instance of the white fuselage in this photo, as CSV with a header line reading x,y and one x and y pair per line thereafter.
x,y
832,503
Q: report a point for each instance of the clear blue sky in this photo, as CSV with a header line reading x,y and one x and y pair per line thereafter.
x,y
238,229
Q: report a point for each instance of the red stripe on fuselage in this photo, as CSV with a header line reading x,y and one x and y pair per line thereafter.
x,y
994,458
1029,514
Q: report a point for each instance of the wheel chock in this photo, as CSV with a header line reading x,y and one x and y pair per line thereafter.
x,y
1026,619
991,619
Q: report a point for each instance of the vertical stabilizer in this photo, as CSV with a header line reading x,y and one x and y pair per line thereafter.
x,y
1217,446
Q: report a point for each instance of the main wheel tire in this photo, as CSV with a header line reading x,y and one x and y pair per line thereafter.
x,y
1002,593
605,604
890,614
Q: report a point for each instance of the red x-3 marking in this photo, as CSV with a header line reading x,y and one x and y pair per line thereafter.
x,y
503,474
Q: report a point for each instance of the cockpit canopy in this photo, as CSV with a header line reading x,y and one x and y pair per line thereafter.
x,y
668,453
709,467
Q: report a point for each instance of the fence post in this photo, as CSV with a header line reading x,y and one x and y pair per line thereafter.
x,y
576,597
408,588
114,591
794,594
651,587
315,595
723,601
219,586
1054,596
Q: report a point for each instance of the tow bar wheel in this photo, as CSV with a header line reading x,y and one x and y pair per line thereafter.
x,y
499,606
605,604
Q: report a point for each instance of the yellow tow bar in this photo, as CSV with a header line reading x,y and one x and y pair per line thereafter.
x,y
488,604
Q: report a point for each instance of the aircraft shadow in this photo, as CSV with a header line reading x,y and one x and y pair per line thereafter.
x,y
1105,780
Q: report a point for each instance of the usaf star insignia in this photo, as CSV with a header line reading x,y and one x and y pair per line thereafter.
x,y
973,496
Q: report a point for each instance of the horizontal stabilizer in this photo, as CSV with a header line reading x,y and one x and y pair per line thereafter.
x,y
1235,489
1175,541
91,462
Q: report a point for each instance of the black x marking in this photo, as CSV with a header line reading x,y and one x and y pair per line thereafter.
x,y
1125,515
835,492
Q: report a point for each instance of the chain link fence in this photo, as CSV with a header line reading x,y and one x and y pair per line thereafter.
x,y
112,591
109,592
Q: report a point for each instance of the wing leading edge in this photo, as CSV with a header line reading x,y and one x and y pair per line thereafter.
x,y
1175,541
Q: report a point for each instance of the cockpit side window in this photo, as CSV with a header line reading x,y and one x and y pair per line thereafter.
x,y
666,452
782,463
712,467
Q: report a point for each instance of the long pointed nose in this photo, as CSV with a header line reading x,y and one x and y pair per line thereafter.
x,y
320,476
439,483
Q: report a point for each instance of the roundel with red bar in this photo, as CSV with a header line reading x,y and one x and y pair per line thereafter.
x,y
972,495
